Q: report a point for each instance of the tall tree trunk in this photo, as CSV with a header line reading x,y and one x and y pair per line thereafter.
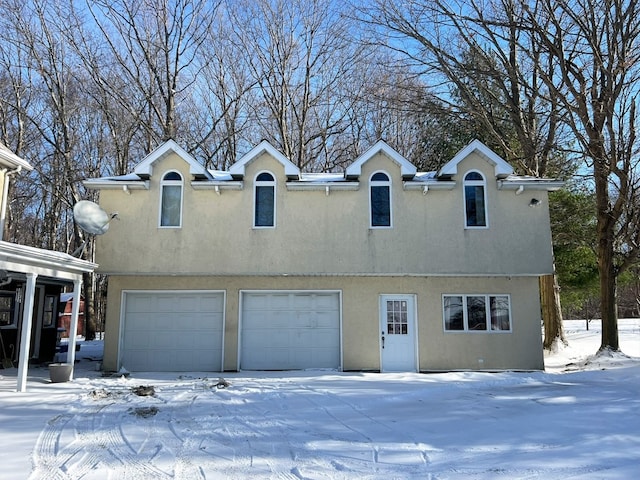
x,y
606,250
608,294
551,312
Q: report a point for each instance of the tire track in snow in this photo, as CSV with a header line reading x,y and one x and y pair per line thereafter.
x,y
96,441
45,456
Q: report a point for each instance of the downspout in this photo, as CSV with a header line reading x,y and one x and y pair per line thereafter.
x,y
5,195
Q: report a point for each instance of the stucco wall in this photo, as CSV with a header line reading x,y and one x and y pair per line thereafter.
x,y
319,234
519,349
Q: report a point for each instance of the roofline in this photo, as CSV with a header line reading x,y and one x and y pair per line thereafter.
x,y
145,167
43,262
501,166
534,184
8,156
407,169
102,183
238,169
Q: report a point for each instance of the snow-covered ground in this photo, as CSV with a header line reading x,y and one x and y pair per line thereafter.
x,y
578,420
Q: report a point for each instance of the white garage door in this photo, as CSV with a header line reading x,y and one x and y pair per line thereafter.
x,y
290,330
173,331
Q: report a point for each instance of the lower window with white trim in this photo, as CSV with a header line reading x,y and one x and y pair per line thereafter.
x,y
476,313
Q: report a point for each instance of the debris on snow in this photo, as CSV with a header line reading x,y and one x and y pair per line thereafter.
x,y
222,383
144,412
144,390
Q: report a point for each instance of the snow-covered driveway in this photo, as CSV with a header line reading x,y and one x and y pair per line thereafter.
x,y
339,425
579,424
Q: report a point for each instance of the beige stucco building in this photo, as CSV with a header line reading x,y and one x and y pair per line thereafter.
x,y
378,268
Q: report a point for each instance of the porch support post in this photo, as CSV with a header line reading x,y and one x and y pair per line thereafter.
x,y
75,311
25,334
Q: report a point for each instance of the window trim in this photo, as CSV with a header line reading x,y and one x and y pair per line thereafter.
x,y
380,183
264,183
171,183
465,319
475,183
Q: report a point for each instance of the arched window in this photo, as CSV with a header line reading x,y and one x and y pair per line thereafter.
x,y
264,200
171,200
380,199
475,202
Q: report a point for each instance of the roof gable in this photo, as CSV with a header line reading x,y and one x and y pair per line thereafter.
x,y
407,169
502,168
145,167
237,170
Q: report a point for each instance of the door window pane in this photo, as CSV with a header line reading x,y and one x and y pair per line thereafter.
x,y
397,317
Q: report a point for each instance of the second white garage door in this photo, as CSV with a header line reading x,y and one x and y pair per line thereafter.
x,y
173,331
290,330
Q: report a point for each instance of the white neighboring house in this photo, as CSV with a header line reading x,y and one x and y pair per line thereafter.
x,y
31,280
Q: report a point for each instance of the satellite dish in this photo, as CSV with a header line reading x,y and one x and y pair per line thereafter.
x,y
91,218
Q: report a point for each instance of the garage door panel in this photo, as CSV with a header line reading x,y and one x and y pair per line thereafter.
x,y
285,330
136,340
326,319
168,331
211,304
327,302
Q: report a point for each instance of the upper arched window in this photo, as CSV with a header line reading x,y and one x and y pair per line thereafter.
x,y
171,200
380,199
264,200
475,201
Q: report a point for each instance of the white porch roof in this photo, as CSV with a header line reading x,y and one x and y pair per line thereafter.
x,y
37,262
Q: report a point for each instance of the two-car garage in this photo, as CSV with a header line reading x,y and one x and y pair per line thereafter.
x,y
184,330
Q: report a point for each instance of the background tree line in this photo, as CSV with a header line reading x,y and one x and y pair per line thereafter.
x,y
88,87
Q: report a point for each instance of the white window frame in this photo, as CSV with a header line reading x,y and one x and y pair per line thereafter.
x,y
475,183
380,183
171,183
487,298
264,183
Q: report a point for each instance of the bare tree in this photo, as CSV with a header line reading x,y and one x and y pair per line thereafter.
x,y
594,49
220,120
154,43
300,56
484,67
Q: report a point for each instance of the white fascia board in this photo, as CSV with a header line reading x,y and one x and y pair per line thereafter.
x,y
24,259
106,183
218,185
534,184
407,169
13,160
238,168
145,167
501,167
322,186
443,185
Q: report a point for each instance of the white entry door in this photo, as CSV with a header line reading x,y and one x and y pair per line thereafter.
x,y
398,333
